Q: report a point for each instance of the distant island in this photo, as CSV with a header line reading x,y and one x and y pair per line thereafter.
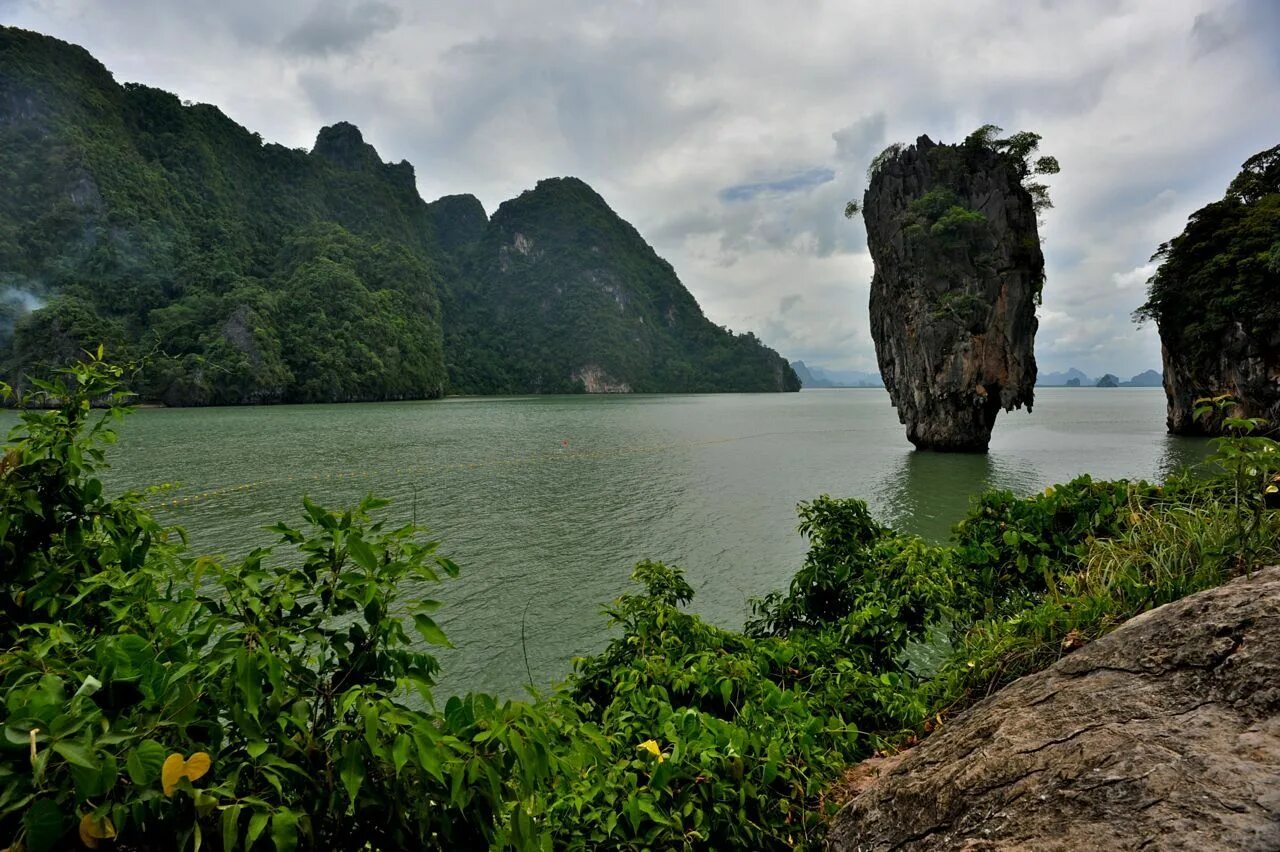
x,y
813,376
1073,378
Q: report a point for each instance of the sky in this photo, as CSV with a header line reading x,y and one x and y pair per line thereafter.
x,y
731,134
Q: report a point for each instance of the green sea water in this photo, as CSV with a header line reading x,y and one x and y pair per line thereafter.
x,y
547,502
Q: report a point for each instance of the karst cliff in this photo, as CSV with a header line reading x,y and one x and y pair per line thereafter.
x,y
1214,298
958,270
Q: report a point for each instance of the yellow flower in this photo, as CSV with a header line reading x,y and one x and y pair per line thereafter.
x,y
653,748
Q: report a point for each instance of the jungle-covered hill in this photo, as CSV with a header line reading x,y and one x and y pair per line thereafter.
x,y
238,271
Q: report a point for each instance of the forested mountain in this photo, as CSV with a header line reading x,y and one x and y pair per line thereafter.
x,y
236,271
558,291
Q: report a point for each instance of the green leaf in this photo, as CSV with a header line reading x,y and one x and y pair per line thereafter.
x,y
284,830
431,631
400,752
257,823
144,762
77,754
256,749
362,554
45,825
248,681
351,769
231,827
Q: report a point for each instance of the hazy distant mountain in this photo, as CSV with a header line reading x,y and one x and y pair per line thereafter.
x,y
1073,378
1109,381
819,377
1145,379
1057,380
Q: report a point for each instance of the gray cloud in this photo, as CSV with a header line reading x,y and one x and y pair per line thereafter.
x,y
858,142
334,26
732,136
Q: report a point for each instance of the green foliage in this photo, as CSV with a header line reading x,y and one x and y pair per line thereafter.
x,y
878,161
1251,464
175,236
292,672
1019,150
157,700
1222,272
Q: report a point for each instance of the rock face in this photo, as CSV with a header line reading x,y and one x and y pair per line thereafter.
x,y
1164,734
958,270
1214,299
1245,367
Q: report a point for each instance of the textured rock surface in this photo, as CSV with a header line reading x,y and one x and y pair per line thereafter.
x,y
1163,735
1245,366
953,310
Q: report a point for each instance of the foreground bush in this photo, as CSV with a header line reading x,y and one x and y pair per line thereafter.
x,y
153,699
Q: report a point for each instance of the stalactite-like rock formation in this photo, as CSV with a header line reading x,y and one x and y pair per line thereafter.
x,y
958,271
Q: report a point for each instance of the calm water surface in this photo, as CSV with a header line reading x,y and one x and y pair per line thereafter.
x,y
547,502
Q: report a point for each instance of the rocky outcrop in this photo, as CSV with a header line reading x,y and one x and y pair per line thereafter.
x,y
595,380
958,270
1245,367
1164,734
1214,299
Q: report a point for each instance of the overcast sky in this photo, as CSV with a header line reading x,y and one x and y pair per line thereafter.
x,y
732,133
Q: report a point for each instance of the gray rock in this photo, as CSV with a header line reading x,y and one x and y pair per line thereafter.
x,y
1246,367
953,312
1164,734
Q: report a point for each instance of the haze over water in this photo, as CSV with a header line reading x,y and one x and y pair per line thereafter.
x,y
547,502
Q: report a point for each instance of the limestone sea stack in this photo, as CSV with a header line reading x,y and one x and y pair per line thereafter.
x,y
958,272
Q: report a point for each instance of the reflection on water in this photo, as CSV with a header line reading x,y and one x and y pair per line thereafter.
x,y
926,492
1180,453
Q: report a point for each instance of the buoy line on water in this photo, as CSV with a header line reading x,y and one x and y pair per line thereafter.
x,y
562,455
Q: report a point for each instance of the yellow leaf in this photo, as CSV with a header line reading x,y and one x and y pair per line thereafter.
x,y
92,830
653,748
197,765
173,769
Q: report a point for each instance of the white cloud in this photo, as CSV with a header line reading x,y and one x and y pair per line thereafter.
x,y
1134,278
1150,106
